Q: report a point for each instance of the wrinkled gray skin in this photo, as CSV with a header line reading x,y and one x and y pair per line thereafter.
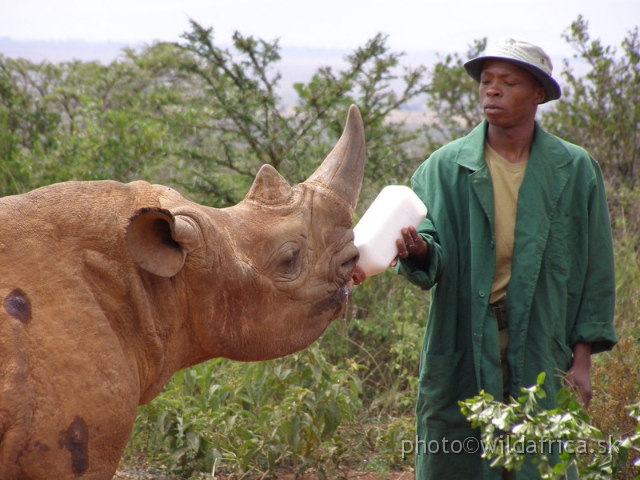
x,y
107,289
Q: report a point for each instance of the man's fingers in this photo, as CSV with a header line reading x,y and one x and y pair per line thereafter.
x,y
403,249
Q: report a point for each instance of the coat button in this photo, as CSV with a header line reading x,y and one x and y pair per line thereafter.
x,y
481,293
493,244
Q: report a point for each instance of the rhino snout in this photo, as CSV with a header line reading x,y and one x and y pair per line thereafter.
x,y
349,258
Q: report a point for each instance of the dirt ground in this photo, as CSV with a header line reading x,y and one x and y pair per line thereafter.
x,y
358,476
147,475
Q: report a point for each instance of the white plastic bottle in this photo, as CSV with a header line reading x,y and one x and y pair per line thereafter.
x,y
395,207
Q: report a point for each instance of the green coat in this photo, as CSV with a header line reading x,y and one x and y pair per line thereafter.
x,y
561,290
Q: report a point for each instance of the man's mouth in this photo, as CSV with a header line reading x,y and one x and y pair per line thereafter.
x,y
492,109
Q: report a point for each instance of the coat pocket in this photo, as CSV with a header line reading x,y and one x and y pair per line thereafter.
x,y
444,381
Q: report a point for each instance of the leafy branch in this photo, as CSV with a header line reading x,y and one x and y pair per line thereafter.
x,y
558,440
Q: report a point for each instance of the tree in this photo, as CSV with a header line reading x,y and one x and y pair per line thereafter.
x,y
27,127
84,120
235,121
453,98
600,110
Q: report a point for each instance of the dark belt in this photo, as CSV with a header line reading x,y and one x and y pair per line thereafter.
x,y
499,310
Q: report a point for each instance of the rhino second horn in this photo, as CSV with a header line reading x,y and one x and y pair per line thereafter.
x,y
269,187
343,169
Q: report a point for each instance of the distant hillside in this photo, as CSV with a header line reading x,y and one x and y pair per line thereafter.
x,y
297,65
61,51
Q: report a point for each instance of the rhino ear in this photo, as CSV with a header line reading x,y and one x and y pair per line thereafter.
x,y
156,241
269,187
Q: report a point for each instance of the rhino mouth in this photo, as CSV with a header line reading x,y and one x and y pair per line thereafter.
x,y
334,305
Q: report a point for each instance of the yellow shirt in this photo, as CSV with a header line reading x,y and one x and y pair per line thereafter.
x,y
507,178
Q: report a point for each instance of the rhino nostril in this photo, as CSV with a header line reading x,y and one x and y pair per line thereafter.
x,y
350,264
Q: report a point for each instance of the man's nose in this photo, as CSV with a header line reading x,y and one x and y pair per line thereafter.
x,y
493,91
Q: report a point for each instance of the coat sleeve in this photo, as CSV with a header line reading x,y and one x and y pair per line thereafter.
x,y
594,322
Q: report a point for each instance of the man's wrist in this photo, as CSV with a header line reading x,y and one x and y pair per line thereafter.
x,y
582,354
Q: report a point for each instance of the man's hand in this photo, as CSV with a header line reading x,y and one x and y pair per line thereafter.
x,y
578,376
411,245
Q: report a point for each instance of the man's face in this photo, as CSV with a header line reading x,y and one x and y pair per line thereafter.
x,y
509,94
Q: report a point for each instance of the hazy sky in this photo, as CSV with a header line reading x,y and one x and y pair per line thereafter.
x,y
412,25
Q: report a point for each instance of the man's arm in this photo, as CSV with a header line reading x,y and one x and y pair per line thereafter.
x,y
579,376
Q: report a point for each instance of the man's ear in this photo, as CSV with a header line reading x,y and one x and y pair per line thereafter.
x,y
156,241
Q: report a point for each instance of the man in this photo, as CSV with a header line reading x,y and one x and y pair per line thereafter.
x,y
517,250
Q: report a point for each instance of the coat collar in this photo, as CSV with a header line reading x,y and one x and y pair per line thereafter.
x,y
471,154
543,153
544,179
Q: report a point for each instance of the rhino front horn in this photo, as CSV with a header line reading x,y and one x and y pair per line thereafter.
x,y
343,169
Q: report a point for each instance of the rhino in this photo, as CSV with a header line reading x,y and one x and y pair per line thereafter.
x,y
107,289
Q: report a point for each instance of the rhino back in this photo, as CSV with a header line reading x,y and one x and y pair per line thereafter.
x,y
71,209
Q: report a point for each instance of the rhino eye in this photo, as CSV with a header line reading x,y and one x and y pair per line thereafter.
x,y
290,261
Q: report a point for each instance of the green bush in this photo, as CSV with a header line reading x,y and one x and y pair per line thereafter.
x,y
250,417
383,331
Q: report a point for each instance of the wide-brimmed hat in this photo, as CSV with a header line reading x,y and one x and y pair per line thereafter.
x,y
524,54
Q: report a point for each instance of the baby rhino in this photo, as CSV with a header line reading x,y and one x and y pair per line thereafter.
x,y
107,289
